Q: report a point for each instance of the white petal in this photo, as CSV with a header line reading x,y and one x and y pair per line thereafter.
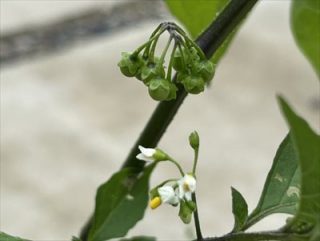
x,y
168,195
187,195
181,191
149,152
142,157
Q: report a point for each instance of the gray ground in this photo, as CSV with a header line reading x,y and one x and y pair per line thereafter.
x,y
68,120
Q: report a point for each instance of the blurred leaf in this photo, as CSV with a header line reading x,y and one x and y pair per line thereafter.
x,y
281,189
197,15
74,238
6,237
305,25
139,238
239,210
120,204
307,144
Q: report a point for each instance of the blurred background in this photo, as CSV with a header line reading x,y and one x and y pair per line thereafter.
x,y
69,118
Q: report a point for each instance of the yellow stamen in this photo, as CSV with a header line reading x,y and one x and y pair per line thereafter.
x,y
186,187
155,202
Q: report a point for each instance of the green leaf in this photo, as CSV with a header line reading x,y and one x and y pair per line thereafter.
x,y
120,204
307,143
239,210
140,238
281,189
305,25
6,237
197,15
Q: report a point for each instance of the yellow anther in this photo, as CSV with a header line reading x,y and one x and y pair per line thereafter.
x,y
186,187
155,202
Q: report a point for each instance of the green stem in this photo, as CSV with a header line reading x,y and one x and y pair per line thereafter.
x,y
169,73
170,159
195,161
166,181
148,43
260,236
183,57
163,55
196,219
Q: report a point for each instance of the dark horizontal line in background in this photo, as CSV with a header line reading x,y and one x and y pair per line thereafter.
x,y
38,40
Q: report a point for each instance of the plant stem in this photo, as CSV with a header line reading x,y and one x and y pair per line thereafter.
x,y
209,41
260,236
170,159
214,36
196,219
169,73
195,161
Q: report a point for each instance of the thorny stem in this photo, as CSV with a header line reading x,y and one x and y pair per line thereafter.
x,y
209,41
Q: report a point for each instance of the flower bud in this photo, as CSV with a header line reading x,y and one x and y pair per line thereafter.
x,y
129,64
193,84
194,140
159,89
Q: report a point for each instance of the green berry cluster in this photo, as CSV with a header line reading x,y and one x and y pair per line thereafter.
x,y
192,67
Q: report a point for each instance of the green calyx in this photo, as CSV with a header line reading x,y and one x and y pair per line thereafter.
x,y
129,64
193,84
186,210
160,155
159,89
205,69
154,192
152,70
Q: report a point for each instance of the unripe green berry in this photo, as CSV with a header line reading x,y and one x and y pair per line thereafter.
x,y
193,84
159,89
194,140
179,60
205,69
129,64
173,92
151,71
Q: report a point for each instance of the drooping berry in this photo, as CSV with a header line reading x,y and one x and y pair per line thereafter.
x,y
159,89
193,84
129,64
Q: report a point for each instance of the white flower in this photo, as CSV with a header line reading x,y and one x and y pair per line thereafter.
x,y
147,154
168,195
187,186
